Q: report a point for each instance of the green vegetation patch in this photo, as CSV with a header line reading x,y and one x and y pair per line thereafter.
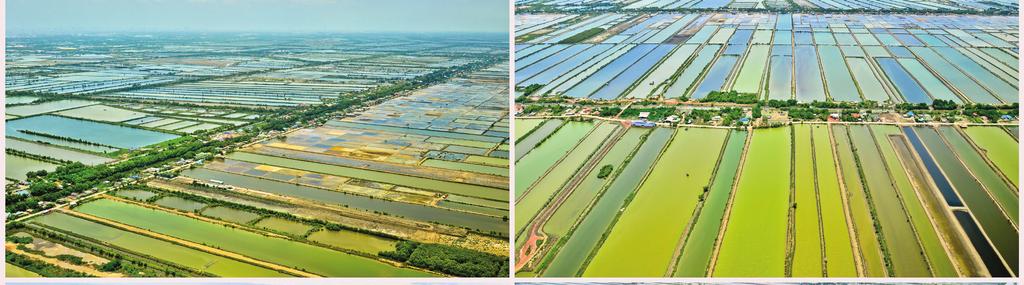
x,y
582,36
449,259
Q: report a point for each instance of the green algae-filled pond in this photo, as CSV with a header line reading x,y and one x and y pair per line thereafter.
x,y
16,167
230,215
533,201
284,226
570,259
173,253
641,246
569,212
901,241
318,260
11,271
536,163
999,147
700,244
755,239
807,252
834,221
353,240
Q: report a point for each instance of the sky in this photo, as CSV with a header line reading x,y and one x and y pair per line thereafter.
x,y
32,17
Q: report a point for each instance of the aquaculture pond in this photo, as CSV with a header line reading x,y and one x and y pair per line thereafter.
x,y
230,214
551,182
716,77
310,258
569,212
1003,193
685,80
749,78
52,106
56,152
655,82
993,222
984,249
841,86
549,75
16,167
93,132
138,195
284,226
910,89
524,126
410,211
531,167
843,59
670,191
999,147
180,204
608,72
163,250
780,77
11,271
615,88
838,249
570,259
859,208
353,240
385,177
866,79
904,251
807,249
696,253
927,236
754,243
809,86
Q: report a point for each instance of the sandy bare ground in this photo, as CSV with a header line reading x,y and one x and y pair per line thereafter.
x,y
50,248
193,245
11,247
